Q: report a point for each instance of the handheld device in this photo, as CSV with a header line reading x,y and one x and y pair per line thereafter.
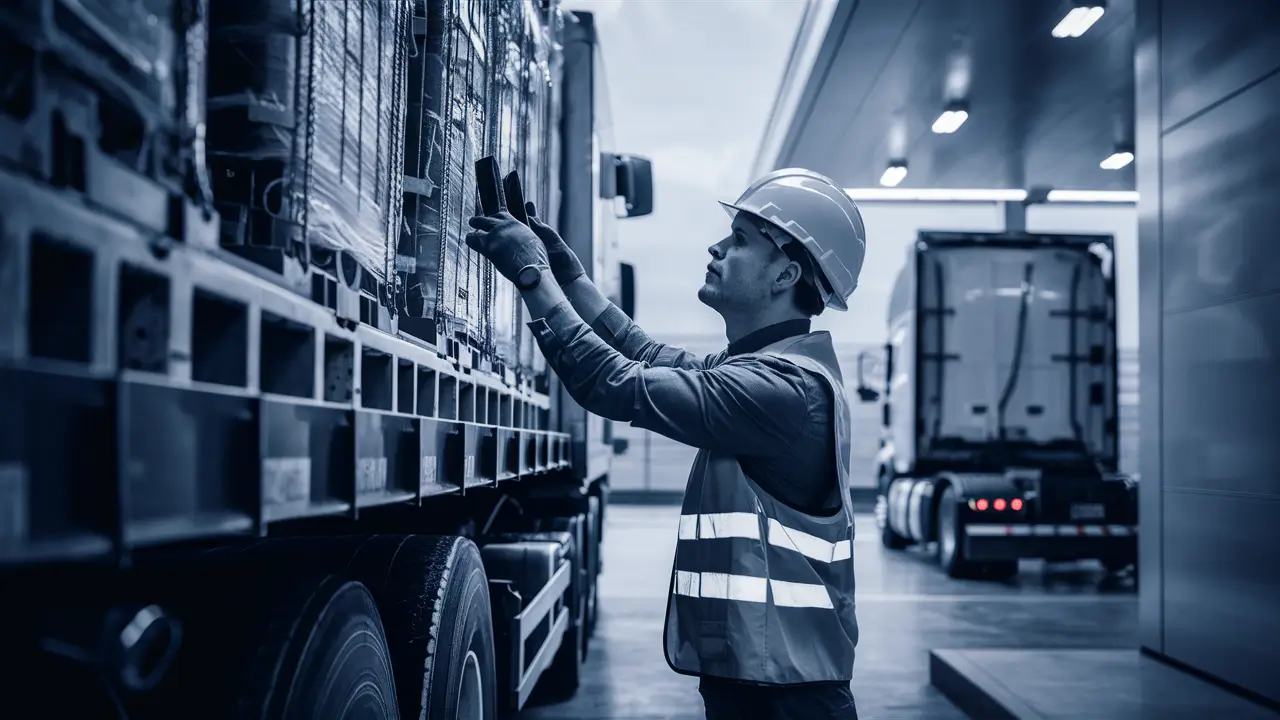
x,y
487,184
514,192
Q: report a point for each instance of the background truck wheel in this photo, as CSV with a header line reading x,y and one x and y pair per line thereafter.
x,y
950,540
434,596
594,544
309,647
891,539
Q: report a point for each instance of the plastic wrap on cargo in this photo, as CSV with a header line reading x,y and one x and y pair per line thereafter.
x,y
327,108
136,40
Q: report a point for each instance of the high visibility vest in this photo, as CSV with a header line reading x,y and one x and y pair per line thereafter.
x,y
761,592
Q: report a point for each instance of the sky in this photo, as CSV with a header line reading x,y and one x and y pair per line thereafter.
x,y
691,85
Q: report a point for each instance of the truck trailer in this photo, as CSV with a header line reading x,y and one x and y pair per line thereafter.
x,y
999,406
273,441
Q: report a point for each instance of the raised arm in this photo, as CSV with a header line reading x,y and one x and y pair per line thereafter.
x,y
750,406
606,319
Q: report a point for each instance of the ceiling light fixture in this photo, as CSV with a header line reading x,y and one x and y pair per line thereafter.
x,y
986,195
951,119
1118,159
1080,19
894,174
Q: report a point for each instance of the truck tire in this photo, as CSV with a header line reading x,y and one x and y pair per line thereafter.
x,y
950,540
593,533
434,596
891,539
324,654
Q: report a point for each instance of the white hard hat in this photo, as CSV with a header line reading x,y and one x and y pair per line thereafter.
x,y
820,215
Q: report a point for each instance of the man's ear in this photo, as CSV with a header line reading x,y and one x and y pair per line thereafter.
x,y
788,276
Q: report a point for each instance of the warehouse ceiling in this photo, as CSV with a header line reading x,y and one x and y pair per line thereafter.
x,y
1042,110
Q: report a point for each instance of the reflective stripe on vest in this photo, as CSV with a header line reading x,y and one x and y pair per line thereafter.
x,y
711,526
761,592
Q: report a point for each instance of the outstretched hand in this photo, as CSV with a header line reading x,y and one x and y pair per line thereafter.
x,y
565,265
507,243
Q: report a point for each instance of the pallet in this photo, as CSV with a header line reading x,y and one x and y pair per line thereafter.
x,y
151,397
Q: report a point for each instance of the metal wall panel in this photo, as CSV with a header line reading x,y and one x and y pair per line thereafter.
x,y
1210,278
1221,173
1150,323
1213,49
1221,586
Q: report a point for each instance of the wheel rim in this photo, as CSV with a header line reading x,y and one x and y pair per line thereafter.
x,y
947,532
470,690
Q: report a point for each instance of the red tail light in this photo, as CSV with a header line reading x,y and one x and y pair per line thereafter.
x,y
999,504
982,504
1015,504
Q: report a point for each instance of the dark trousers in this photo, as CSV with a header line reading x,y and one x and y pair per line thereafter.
x,y
726,700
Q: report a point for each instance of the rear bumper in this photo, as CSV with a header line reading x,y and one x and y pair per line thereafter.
x,y
992,541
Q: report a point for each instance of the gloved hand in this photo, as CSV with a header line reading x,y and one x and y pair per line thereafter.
x,y
565,265
508,243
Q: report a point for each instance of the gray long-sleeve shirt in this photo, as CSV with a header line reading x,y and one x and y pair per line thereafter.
x,y
773,415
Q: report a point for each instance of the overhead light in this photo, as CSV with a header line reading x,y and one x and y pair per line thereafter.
x,y
987,195
951,119
1079,20
935,195
1094,196
894,174
1117,160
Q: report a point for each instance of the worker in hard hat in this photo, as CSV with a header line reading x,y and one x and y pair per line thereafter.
x,y
761,603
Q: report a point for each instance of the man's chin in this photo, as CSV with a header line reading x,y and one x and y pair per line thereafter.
x,y
707,296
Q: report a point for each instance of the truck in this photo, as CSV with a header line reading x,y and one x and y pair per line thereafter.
x,y
273,441
997,390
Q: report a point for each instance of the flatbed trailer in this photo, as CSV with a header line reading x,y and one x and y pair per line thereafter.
x,y
239,478
999,432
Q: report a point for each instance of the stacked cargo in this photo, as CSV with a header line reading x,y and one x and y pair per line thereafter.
x,y
496,103
304,132
104,98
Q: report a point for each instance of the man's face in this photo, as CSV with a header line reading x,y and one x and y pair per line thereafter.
x,y
747,270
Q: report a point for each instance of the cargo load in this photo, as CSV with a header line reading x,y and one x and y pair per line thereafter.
x,y
304,136
495,104
106,98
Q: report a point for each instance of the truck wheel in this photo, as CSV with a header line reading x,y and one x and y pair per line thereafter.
x,y
888,538
595,516
950,546
435,600
318,651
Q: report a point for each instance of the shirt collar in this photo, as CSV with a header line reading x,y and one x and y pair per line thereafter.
x,y
768,335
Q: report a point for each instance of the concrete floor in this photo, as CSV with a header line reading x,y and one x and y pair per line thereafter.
x,y
906,607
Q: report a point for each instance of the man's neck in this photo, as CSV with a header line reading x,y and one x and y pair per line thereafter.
x,y
739,326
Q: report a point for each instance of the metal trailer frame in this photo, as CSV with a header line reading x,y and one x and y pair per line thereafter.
x,y
203,401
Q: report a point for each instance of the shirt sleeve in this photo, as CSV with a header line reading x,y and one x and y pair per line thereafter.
x,y
748,406
624,335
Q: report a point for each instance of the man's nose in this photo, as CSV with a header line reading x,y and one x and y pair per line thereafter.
x,y
717,251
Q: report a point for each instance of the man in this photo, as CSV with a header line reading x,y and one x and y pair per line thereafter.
x,y
761,602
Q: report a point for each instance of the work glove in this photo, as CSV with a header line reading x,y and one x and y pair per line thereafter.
x,y
507,243
565,265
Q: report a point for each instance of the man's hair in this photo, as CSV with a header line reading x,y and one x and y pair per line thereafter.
x,y
806,298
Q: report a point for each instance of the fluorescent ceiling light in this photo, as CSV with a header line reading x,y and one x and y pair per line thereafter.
x,y
1078,21
1116,161
893,175
986,195
950,121
935,195
1093,196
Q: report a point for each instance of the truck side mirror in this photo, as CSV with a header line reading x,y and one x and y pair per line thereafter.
x,y
620,445
628,290
865,393
634,181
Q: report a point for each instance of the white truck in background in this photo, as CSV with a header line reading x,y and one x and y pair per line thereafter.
x,y
998,395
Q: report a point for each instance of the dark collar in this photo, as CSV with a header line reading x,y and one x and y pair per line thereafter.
x,y
768,335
